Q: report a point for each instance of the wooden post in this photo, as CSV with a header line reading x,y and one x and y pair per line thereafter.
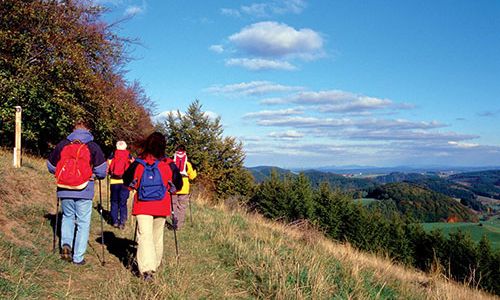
x,y
17,148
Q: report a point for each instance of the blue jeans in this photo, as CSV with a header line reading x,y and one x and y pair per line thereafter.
x,y
119,196
76,212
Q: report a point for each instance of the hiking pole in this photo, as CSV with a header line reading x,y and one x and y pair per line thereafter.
x,y
174,221
102,225
107,192
55,227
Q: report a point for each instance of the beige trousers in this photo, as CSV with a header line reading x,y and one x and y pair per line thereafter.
x,y
150,242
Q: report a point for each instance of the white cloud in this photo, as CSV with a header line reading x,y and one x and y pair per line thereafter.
x,y
133,10
258,64
211,115
287,135
252,88
270,114
267,9
216,48
272,39
337,101
462,144
230,12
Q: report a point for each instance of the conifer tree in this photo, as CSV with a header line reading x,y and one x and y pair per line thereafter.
x,y
218,159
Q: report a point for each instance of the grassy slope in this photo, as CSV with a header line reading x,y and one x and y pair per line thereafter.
x,y
225,254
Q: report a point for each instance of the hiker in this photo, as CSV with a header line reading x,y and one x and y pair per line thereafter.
x,y
118,162
151,203
76,161
181,198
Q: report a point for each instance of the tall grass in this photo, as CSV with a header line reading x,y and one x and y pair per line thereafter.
x,y
224,254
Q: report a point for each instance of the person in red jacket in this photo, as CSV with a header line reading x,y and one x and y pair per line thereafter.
x,y
151,215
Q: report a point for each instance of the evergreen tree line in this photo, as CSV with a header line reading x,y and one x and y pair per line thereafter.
x,y
342,219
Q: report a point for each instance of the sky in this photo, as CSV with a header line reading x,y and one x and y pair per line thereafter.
x,y
327,83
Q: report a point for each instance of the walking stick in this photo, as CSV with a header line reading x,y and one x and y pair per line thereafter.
x,y
107,192
102,225
174,220
55,227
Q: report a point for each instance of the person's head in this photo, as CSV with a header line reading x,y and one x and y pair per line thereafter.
x,y
121,145
155,144
80,123
181,148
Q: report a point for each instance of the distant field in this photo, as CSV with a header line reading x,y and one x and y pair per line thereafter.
x,y
491,228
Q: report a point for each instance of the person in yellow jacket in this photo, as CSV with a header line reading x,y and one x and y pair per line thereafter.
x,y
181,198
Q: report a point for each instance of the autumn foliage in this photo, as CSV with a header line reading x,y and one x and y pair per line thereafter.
x,y
59,61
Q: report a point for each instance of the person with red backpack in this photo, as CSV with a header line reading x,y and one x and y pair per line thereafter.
x,y
118,162
76,161
151,175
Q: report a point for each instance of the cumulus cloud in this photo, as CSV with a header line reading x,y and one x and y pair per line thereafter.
x,y
267,9
258,64
216,48
252,88
278,40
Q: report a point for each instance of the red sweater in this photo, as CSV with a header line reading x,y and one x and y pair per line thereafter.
x,y
153,208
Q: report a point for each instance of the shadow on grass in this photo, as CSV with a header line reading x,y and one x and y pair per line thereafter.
x,y
123,248
51,217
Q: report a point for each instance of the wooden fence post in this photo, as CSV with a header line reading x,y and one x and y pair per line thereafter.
x,y
17,148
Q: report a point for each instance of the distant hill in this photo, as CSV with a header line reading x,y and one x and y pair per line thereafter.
x,y
437,184
260,173
316,177
417,202
484,183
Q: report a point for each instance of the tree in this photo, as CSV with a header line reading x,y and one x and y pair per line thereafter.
x,y
218,159
60,62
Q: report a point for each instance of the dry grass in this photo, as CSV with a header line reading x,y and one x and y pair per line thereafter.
x,y
225,253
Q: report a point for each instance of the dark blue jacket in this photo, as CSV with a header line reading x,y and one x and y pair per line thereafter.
x,y
97,160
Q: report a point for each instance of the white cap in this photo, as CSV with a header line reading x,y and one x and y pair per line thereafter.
x,y
121,145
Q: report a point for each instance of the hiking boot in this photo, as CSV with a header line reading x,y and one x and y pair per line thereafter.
x,y
122,226
147,276
116,225
81,263
66,253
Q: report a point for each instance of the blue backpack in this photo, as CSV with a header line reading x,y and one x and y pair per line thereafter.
x,y
151,186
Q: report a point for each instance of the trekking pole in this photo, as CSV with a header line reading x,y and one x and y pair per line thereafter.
x,y
174,221
55,227
107,192
102,225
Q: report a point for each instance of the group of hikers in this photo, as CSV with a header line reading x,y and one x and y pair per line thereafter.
x,y
160,184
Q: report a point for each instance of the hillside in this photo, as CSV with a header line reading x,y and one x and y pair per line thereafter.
x,y
484,183
224,254
419,203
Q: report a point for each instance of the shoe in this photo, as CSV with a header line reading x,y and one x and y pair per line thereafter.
x,y
81,263
115,225
147,276
66,253
122,226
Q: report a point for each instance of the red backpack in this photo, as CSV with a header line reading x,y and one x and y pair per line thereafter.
x,y
74,170
119,164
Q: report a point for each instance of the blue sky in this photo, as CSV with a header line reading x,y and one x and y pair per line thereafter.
x,y
321,83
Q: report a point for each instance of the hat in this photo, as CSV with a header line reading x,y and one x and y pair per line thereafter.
x,y
121,145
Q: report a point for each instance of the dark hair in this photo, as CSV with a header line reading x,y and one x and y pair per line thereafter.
x,y
155,144
180,148
81,122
